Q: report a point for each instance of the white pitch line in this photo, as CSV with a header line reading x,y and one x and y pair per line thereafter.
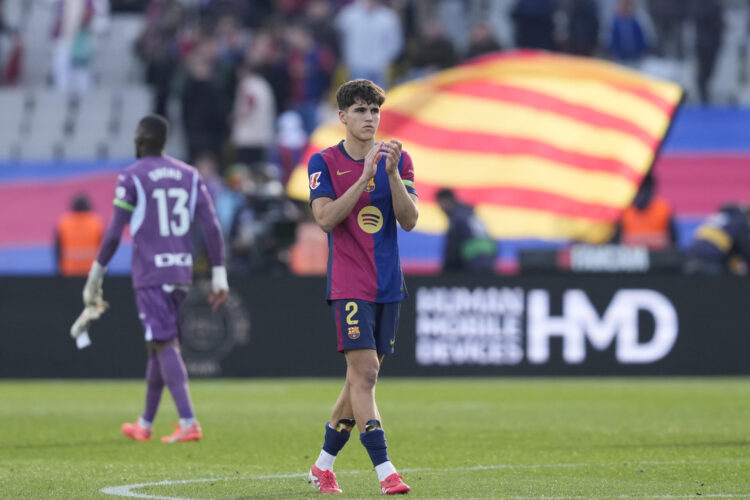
x,y
127,490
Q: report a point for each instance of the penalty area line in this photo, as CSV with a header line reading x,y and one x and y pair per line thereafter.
x,y
127,489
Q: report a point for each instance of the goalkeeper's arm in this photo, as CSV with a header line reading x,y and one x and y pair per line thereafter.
x,y
92,291
206,216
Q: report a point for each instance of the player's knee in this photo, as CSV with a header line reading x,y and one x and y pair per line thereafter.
x,y
155,347
366,378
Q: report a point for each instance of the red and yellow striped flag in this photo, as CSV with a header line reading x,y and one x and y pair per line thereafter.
x,y
546,146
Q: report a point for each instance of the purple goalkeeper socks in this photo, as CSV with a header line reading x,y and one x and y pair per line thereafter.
x,y
154,387
175,376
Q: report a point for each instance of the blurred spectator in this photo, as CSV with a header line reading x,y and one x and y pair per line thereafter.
x,y
4,28
311,66
431,51
207,166
319,19
721,244
266,56
10,69
72,49
627,39
257,12
583,27
468,246
253,117
232,197
371,39
291,140
534,24
203,106
648,221
215,9
708,36
263,228
231,44
78,235
669,21
157,47
481,40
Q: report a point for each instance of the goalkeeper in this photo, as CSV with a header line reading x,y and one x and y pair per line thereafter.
x,y
160,198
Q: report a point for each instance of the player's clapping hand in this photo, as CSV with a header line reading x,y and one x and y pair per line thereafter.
x,y
371,162
392,152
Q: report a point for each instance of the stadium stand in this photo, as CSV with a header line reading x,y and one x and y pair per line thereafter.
x,y
702,162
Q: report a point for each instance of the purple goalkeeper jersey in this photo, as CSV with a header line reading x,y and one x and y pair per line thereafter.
x,y
161,198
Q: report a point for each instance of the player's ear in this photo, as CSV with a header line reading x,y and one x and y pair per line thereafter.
x,y
342,116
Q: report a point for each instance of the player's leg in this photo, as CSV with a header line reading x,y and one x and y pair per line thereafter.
x,y
338,428
362,368
175,376
337,433
141,430
159,310
373,437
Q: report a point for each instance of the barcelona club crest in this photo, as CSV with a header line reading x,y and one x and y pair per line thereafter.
x,y
353,332
370,186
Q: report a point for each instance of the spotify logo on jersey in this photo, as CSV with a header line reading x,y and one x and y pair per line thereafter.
x,y
370,219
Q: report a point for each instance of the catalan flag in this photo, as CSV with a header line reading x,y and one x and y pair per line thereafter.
x,y
545,146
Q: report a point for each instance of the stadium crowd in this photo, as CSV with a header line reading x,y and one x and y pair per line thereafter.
x,y
248,81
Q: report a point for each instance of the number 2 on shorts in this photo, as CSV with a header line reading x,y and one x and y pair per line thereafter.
x,y
351,308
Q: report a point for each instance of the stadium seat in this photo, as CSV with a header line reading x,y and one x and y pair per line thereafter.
x,y
13,103
94,112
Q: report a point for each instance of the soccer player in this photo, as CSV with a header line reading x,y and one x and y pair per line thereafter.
x,y
359,188
161,198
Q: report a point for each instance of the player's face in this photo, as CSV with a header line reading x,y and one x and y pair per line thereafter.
x,y
361,120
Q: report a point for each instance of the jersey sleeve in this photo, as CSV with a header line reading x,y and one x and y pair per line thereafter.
x,y
205,214
126,195
320,179
125,201
407,173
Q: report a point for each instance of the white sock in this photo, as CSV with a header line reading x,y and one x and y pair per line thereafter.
x,y
325,460
384,470
186,422
144,424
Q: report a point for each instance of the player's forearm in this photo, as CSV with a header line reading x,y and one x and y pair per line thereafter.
x,y
111,241
404,207
331,214
214,242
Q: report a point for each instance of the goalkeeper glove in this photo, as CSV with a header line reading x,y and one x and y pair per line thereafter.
x,y
79,330
92,291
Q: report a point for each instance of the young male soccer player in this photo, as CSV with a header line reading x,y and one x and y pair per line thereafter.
x,y
161,198
358,190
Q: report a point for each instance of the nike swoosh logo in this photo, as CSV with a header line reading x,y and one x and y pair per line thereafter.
x,y
339,172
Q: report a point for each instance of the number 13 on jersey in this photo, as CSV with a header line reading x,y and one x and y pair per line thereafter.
x,y
176,222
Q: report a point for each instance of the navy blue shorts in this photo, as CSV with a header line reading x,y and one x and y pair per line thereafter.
x,y
159,311
366,325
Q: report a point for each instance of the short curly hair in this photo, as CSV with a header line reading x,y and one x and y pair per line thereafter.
x,y
360,89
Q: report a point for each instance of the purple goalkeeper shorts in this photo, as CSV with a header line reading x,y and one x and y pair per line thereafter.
x,y
159,311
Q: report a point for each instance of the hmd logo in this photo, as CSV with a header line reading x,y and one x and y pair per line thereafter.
x,y
580,322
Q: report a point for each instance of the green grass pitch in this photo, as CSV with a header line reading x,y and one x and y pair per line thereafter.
x,y
451,438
